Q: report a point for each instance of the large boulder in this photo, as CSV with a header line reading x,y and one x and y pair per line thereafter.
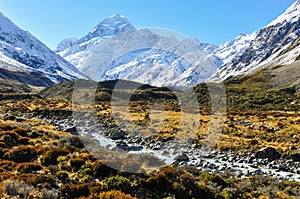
x,y
267,152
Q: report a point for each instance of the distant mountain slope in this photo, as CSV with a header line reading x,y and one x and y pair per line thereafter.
x,y
11,86
277,43
30,78
20,51
105,89
230,49
267,89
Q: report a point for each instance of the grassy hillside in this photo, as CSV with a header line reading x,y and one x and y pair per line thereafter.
x,y
29,78
105,89
254,92
263,90
11,86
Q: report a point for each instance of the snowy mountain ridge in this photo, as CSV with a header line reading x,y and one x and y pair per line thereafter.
x,y
23,52
230,49
275,44
290,15
123,52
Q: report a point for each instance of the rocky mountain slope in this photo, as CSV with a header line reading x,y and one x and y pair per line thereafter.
x,y
23,53
230,49
276,43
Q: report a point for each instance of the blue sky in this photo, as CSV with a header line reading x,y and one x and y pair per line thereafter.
x,y
212,21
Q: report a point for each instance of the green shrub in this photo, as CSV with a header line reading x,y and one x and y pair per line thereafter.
x,y
101,170
179,191
10,117
76,163
114,195
10,138
22,132
95,187
225,195
62,175
45,181
23,140
7,165
6,127
71,191
51,155
87,171
158,183
71,140
117,183
215,179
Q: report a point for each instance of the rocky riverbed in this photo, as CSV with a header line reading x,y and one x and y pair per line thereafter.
x,y
266,161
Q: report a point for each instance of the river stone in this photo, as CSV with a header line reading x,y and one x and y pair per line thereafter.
x,y
267,152
182,157
258,172
72,130
123,146
117,136
283,167
293,148
136,148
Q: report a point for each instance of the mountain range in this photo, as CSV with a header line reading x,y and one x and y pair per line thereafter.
x,y
115,49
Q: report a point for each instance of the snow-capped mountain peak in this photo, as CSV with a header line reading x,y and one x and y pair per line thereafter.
x,y
6,24
66,44
76,50
292,14
112,25
230,49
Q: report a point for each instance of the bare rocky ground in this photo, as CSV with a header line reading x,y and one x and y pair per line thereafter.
x,y
266,161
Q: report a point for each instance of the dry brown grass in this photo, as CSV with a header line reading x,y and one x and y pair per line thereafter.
x,y
267,128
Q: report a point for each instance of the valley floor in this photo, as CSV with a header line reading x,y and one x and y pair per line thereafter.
x,y
256,155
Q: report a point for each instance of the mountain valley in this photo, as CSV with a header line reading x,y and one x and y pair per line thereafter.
x,y
132,113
